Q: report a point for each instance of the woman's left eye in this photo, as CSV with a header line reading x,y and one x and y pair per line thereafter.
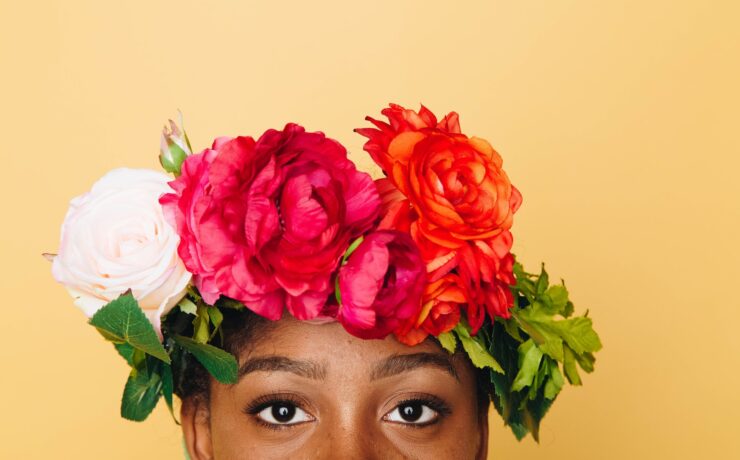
x,y
413,413
283,413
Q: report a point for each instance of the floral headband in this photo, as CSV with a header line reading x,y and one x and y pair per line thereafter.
x,y
287,222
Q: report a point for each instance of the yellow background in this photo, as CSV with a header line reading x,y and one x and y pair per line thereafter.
x,y
618,121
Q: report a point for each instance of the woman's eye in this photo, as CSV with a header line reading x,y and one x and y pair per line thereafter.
x,y
283,414
414,413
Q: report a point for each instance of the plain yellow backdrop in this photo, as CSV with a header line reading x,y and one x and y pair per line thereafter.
x,y
618,121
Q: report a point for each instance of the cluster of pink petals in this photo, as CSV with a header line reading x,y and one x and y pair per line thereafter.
x,y
380,286
270,223
266,222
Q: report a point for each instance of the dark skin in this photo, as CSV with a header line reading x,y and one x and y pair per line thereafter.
x,y
314,391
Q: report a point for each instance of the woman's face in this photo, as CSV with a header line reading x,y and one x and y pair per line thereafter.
x,y
314,391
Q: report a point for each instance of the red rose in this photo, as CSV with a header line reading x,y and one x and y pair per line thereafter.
x,y
266,222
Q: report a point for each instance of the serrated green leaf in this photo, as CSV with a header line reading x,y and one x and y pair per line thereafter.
x,y
519,430
122,321
558,297
140,395
555,383
448,341
534,413
511,328
549,334
539,380
221,364
529,362
168,388
536,305
476,350
586,361
527,288
568,309
539,328
542,282
579,334
126,351
569,366
138,359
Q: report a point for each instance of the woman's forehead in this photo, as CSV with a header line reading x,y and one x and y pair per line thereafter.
x,y
314,350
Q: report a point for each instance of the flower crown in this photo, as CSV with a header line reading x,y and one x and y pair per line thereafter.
x,y
287,222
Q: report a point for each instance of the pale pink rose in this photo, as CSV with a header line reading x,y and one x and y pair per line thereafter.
x,y
115,238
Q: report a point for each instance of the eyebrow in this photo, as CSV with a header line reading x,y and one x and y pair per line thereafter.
x,y
397,364
307,369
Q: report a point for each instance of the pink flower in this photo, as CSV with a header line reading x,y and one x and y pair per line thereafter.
x,y
266,222
115,238
381,284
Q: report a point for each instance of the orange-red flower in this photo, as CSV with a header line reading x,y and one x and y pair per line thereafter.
x,y
440,312
450,192
455,183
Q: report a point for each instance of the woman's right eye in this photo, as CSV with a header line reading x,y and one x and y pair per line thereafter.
x,y
284,414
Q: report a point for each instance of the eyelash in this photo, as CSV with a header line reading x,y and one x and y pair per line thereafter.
x,y
433,402
265,401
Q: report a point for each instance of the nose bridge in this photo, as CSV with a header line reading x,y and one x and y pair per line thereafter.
x,y
354,436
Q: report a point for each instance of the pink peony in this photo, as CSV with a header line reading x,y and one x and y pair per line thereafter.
x,y
266,222
381,285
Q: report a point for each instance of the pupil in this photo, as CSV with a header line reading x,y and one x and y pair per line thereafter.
x,y
411,412
283,413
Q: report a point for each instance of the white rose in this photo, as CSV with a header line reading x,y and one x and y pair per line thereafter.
x,y
115,238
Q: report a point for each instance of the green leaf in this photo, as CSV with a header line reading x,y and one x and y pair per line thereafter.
x,y
586,361
476,349
187,306
216,319
538,327
168,388
569,367
549,334
558,297
225,302
534,413
448,341
568,309
579,334
529,362
530,347
511,327
140,395
220,364
555,383
539,380
122,321
201,330
542,282
126,351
